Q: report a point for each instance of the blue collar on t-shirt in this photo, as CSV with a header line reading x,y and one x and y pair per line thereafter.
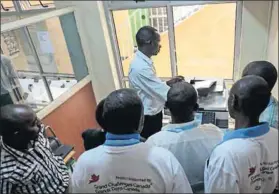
x,y
122,140
184,127
244,133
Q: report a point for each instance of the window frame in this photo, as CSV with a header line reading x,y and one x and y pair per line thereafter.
x,y
24,23
109,7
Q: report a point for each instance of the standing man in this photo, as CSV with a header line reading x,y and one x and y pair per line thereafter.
x,y
142,77
246,161
27,164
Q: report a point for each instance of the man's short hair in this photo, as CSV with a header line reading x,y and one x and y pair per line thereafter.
x,y
99,114
93,138
264,69
145,35
123,110
252,94
182,99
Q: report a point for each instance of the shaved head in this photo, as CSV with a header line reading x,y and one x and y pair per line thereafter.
x,y
145,35
182,100
16,113
18,125
264,69
148,40
249,97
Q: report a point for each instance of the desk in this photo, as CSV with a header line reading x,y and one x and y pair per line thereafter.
x,y
216,101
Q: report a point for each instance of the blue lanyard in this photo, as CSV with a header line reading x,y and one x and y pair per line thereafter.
x,y
187,126
122,140
244,133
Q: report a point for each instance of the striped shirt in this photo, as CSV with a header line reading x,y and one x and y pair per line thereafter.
x,y
34,171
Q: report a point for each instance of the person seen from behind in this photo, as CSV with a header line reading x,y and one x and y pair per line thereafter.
x,y
268,72
124,164
185,137
246,161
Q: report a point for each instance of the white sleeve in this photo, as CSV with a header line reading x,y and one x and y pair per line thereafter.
x,y
218,180
180,181
148,82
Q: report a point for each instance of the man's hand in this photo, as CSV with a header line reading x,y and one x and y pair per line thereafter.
x,y
174,80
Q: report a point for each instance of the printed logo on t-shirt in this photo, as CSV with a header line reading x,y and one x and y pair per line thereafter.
x,y
121,184
94,178
252,171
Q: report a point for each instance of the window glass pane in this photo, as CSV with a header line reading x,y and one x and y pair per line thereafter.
x,y
7,6
127,85
31,4
33,91
153,11
161,28
59,85
54,41
15,45
127,23
48,38
159,11
155,23
165,23
204,36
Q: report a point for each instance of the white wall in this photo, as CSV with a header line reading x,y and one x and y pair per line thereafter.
x,y
92,27
272,54
254,33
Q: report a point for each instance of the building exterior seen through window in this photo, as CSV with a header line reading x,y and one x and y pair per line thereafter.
x,y
204,38
128,22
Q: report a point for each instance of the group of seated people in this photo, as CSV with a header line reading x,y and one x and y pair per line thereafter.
x,y
184,157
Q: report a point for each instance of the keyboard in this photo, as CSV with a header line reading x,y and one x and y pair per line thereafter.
x,y
222,123
208,117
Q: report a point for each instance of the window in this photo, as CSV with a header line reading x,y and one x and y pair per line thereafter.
x,y
31,4
201,43
11,43
127,23
23,59
204,39
47,57
7,6
50,44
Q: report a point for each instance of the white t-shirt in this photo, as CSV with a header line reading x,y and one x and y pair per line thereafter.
x,y
138,168
243,164
191,145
